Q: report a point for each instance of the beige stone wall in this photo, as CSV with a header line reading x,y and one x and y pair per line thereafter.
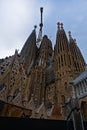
x,y
10,110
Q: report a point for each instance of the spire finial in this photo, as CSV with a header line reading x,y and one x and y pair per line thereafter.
x,y
74,40
35,26
69,34
39,39
16,51
58,25
41,24
61,25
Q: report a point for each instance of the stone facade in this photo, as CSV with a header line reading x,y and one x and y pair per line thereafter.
x,y
37,78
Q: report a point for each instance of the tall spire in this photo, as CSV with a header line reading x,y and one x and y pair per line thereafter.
x,y
41,24
61,39
77,58
40,31
28,52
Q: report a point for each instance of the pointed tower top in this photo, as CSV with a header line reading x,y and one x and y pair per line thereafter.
x,y
16,52
74,40
70,36
30,43
59,24
41,24
39,39
35,26
69,33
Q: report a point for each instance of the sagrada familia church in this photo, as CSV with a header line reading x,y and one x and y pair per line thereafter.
x,y
41,81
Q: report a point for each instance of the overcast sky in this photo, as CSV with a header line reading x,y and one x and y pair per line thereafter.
x,y
18,17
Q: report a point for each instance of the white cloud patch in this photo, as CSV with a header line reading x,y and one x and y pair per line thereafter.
x,y
18,17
